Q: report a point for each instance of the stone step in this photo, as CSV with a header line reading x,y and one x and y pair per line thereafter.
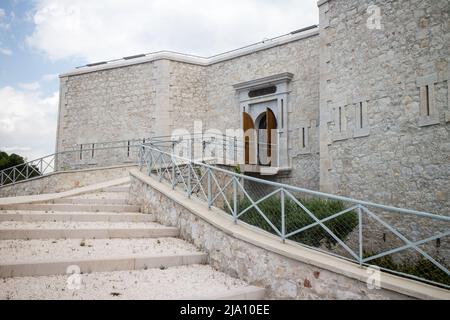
x,y
119,201
101,264
180,282
37,250
87,230
75,216
71,207
125,188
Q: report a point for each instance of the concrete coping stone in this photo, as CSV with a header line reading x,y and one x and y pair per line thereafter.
x,y
290,249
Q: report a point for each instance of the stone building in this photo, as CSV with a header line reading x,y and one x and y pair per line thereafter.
x,y
360,103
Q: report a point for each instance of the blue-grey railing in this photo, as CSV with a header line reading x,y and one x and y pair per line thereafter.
x,y
90,155
405,242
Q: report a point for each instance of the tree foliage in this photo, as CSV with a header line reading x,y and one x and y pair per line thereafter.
x,y
15,169
7,161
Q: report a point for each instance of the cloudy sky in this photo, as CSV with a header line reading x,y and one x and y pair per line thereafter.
x,y
40,39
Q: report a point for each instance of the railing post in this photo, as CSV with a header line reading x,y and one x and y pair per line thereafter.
x,y
360,238
150,162
173,173
209,189
235,204
283,217
189,187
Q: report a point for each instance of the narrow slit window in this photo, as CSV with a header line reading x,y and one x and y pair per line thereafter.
x,y
93,145
340,119
427,99
128,149
303,138
81,151
361,115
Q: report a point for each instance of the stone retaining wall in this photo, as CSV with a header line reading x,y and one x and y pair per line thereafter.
x,y
283,277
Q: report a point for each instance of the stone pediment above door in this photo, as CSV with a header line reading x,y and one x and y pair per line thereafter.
x,y
263,86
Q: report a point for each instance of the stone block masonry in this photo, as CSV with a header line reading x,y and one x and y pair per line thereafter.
x,y
367,110
155,97
398,74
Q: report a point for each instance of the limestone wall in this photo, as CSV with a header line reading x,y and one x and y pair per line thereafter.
x,y
299,58
63,181
156,97
399,154
188,95
108,105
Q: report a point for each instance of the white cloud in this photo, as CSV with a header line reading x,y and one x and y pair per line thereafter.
x,y
3,24
104,29
32,86
27,122
6,51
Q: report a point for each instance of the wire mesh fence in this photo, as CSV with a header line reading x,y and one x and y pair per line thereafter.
x,y
400,241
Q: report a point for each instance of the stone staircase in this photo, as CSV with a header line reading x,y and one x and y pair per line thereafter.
x,y
98,246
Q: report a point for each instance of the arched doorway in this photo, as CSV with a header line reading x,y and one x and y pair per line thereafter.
x,y
267,125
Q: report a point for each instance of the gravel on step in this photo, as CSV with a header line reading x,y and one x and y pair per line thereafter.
x,y
25,225
171,283
14,251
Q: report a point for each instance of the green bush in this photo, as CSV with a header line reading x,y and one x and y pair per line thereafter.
x,y
12,160
296,218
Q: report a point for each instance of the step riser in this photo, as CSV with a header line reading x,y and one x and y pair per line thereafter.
x,y
100,265
95,217
91,201
87,233
116,189
72,207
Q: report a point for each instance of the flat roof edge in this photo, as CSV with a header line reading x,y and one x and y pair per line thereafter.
x,y
191,59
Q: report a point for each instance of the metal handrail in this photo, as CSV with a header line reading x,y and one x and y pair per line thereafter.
x,y
45,165
182,173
